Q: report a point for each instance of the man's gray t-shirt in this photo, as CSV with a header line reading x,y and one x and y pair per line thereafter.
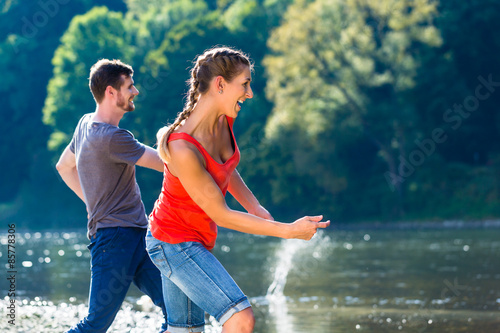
x,y
105,160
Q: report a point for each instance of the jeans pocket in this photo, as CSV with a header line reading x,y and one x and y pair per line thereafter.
x,y
159,259
108,238
91,244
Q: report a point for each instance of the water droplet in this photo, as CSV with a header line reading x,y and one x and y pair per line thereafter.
x,y
466,248
27,264
389,320
225,248
366,237
47,260
61,252
358,327
29,252
46,252
429,321
434,246
78,253
348,246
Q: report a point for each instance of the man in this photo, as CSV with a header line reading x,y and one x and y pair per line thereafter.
x,y
99,166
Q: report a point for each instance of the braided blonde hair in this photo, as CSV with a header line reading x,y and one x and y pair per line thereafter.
x,y
219,61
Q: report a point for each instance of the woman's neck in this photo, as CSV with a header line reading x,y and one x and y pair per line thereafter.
x,y
204,120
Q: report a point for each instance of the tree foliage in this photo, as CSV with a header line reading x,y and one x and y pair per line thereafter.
x,y
340,73
68,96
348,95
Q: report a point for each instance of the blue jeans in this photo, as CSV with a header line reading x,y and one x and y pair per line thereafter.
x,y
118,258
194,281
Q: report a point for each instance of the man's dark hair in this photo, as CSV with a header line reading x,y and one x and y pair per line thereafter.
x,y
106,73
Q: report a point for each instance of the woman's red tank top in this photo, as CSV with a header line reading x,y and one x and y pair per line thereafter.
x,y
176,218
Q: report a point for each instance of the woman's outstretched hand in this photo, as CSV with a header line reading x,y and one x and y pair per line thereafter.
x,y
306,227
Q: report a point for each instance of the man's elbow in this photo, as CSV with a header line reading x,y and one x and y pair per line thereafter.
x,y
59,167
63,168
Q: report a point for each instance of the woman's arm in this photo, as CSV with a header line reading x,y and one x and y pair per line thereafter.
x,y
187,165
240,191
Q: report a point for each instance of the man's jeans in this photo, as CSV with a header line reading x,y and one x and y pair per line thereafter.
x,y
119,258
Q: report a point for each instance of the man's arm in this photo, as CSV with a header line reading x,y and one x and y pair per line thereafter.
x,y
66,166
151,160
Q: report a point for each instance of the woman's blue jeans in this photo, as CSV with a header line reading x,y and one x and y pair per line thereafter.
x,y
194,282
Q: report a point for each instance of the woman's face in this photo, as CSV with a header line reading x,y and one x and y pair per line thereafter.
x,y
236,92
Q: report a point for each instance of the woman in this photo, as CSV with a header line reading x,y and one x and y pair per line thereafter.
x,y
200,155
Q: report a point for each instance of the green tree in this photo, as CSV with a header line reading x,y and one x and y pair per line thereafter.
x,y
469,51
444,95
29,34
339,76
90,37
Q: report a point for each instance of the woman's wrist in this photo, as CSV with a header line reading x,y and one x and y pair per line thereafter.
x,y
286,230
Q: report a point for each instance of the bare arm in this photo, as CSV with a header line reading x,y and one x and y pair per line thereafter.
x,y
66,166
187,165
151,160
245,197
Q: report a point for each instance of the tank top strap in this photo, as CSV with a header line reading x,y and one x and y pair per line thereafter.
x,y
189,138
208,159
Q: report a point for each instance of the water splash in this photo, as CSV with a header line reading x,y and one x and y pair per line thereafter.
x,y
278,307
285,256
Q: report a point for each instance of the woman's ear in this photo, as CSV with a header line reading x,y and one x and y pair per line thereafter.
x,y
220,83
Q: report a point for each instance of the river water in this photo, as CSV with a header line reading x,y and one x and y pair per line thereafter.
x,y
371,279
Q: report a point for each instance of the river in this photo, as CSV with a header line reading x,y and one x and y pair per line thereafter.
x,y
418,278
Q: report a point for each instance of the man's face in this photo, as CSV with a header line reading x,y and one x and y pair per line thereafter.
x,y
126,94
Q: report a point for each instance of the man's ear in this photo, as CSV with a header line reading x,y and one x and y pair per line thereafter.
x,y
110,92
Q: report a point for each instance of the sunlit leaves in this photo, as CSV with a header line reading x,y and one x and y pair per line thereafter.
x,y
339,70
90,37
